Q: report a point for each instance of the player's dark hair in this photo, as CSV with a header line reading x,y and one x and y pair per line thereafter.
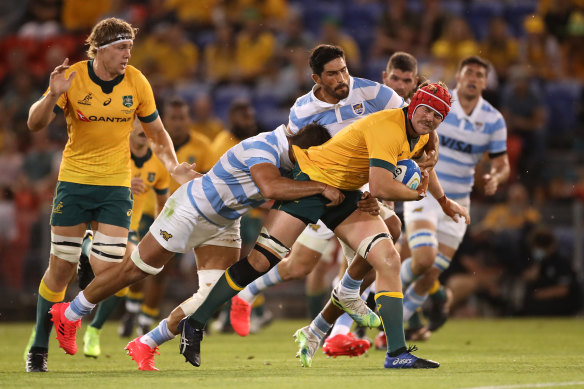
x,y
174,102
239,104
312,134
323,54
474,60
403,61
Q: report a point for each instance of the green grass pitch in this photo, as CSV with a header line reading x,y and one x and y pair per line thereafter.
x,y
494,354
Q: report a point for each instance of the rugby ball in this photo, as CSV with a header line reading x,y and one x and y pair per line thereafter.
x,y
408,173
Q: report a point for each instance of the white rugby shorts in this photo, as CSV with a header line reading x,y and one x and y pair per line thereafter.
x,y
449,232
180,228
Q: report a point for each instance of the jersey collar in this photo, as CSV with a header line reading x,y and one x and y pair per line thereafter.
x,y
460,114
106,86
140,161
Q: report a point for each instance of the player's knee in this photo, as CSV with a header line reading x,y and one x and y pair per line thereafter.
x,y
258,261
108,248
428,279
271,249
422,263
141,266
300,270
66,248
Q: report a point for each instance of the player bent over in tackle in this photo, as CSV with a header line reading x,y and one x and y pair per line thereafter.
x,y
367,150
204,214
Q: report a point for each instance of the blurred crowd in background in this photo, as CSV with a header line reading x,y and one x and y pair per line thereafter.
x,y
523,252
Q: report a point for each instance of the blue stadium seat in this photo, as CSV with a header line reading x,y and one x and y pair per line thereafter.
x,y
317,12
515,13
374,68
453,7
561,100
224,95
479,15
264,100
360,21
271,118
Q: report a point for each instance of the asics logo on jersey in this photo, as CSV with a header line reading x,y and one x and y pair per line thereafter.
x,y
86,100
107,101
419,209
402,361
165,235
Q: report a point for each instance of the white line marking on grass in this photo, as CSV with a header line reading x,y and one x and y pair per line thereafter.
x,y
541,385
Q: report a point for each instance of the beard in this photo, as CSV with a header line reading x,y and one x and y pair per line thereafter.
x,y
340,92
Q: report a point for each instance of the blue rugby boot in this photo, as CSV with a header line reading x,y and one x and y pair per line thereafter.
x,y
406,360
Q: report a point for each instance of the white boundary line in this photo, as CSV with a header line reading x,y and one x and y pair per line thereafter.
x,y
541,385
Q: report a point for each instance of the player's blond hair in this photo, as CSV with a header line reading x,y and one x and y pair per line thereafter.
x,y
107,31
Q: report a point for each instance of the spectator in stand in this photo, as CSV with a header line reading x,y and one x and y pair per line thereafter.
x,y
540,50
524,111
497,252
331,34
397,31
242,125
455,43
81,15
551,285
41,19
172,55
500,47
556,14
294,37
204,123
433,21
255,47
220,55
273,12
11,160
573,53
193,15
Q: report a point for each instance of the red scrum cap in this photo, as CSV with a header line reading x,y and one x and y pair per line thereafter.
x,y
433,96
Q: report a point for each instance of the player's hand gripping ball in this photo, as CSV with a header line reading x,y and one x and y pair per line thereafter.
x,y
408,173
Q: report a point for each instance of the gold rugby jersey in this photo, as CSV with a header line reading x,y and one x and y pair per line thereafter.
x,y
196,149
379,139
99,116
156,178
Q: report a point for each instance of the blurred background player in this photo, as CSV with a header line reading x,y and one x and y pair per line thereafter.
x,y
148,175
472,129
98,96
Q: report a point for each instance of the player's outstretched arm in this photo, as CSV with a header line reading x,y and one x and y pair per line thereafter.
x,y
499,174
272,185
162,146
449,207
41,113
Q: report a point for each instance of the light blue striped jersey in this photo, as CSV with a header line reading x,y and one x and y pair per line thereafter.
x,y
463,141
365,97
228,191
